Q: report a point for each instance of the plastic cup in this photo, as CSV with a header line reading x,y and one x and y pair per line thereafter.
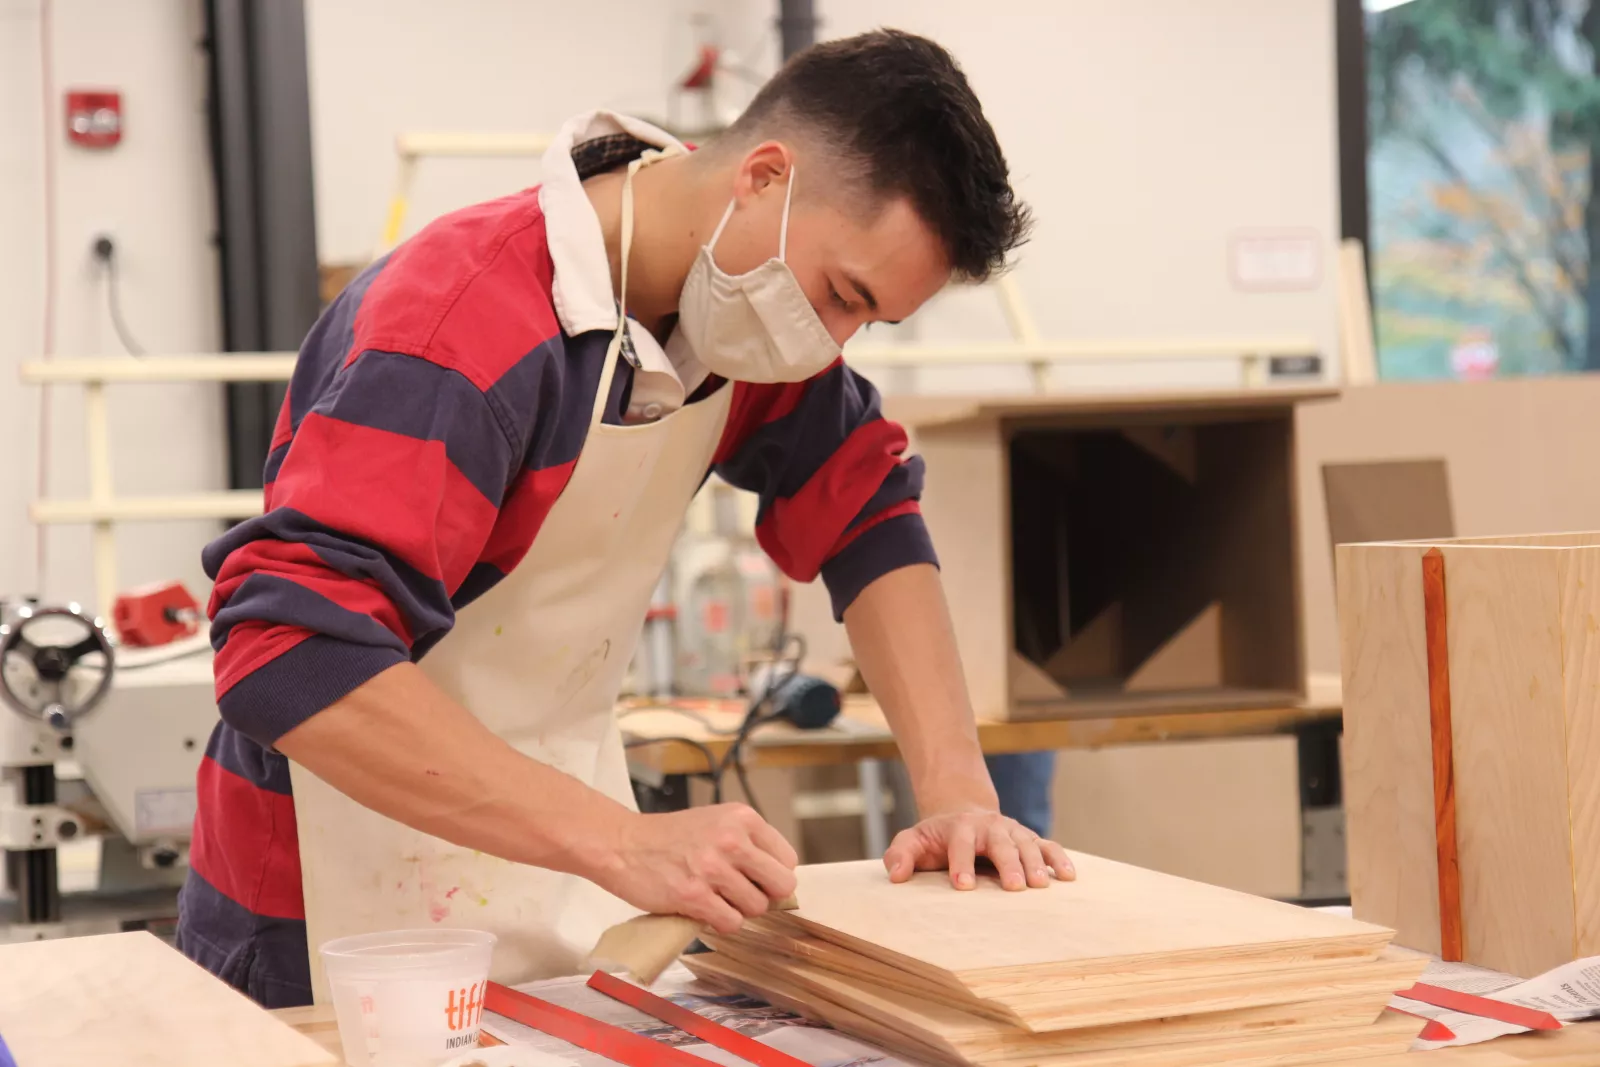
x,y
408,998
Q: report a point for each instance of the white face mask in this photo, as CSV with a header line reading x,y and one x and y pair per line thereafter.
x,y
754,327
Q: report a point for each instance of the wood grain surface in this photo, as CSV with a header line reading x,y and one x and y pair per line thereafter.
x,y
130,1000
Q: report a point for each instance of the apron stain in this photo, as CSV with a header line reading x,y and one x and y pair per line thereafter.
x,y
499,630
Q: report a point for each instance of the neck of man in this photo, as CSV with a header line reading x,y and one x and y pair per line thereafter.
x,y
668,205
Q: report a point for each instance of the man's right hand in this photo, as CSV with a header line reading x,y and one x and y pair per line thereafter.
x,y
717,865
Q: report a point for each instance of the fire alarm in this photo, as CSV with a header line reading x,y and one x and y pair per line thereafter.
x,y
94,117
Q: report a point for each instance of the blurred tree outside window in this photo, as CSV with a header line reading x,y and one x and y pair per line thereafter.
x,y
1484,120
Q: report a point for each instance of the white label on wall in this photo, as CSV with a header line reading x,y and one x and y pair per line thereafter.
x,y
163,811
1275,260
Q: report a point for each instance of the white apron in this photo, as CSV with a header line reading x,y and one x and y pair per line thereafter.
x,y
539,659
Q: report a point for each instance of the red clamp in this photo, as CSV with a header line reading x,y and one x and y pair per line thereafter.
x,y
155,614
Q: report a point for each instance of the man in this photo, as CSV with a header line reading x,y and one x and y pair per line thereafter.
x,y
488,447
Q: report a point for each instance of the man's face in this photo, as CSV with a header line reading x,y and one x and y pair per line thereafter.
x,y
856,266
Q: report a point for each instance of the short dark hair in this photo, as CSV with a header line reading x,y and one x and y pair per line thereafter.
x,y
899,106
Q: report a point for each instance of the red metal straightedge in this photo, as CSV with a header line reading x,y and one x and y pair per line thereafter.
x,y
712,1033
612,1042
1486,1007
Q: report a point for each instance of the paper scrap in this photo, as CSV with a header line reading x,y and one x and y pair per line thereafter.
x,y
1569,992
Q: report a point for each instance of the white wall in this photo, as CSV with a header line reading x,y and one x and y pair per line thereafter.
x,y
382,67
1144,132
152,195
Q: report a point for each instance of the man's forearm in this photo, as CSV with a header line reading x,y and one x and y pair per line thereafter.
x,y
905,645
400,746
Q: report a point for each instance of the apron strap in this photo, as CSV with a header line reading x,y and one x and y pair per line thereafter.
x,y
614,349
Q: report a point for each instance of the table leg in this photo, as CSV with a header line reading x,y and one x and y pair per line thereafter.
x,y
874,820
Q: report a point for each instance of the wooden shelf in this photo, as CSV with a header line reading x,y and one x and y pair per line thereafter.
x,y
471,145
1082,351
242,367
234,504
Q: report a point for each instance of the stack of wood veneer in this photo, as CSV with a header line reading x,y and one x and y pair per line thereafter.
x,y
1123,967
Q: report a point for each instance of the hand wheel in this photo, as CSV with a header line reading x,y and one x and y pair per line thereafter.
x,y
55,664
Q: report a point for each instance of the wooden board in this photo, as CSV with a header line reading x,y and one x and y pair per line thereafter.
x,y
1397,500
1521,653
1509,727
1112,918
1322,1034
1224,811
1388,782
970,503
1581,651
1116,1000
130,1000
1110,999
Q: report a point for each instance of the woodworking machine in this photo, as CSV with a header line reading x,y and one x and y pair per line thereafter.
x,y
96,740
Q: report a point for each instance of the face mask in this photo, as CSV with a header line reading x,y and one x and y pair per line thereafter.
x,y
755,327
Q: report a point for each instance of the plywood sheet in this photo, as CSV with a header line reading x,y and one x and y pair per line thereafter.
x,y
1109,999
1223,811
1510,742
966,499
1338,1032
130,1000
1189,659
1581,651
1112,917
1397,500
1388,753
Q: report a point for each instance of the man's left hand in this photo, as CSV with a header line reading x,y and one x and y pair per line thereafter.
x,y
954,840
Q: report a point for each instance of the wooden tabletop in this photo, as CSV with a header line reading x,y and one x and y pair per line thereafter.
x,y
861,732
1575,1046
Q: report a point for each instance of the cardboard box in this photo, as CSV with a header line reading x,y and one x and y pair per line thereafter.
x,y
1117,554
1472,741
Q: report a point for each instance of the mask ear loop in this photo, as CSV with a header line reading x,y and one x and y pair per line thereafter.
x,y
783,229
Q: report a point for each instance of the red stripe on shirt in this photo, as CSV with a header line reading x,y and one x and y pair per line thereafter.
x,y
472,295
905,507
522,514
754,406
387,489
800,532
283,431
300,564
251,645
245,843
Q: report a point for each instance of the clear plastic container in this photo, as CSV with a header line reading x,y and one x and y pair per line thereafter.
x,y
408,998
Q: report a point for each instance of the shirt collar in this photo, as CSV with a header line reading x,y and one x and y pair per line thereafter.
x,y
581,288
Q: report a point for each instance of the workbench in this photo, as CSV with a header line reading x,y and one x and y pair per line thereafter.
x,y
1574,1046
669,741
659,735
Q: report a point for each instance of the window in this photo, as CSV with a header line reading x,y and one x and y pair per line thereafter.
x,y
1482,119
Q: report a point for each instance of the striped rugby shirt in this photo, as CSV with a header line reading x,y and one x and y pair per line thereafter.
x,y
435,414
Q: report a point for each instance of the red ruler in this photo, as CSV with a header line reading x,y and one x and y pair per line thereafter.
x,y
711,1033
1486,1007
612,1042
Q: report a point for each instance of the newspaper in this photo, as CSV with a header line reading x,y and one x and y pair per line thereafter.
x,y
812,1042
1570,992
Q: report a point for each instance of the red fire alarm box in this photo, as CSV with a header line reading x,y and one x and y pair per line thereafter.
x,y
94,117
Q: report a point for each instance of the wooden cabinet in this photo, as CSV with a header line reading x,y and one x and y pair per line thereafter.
x,y
1108,554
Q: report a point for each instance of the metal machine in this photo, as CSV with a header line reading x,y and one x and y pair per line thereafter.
x,y
95,741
